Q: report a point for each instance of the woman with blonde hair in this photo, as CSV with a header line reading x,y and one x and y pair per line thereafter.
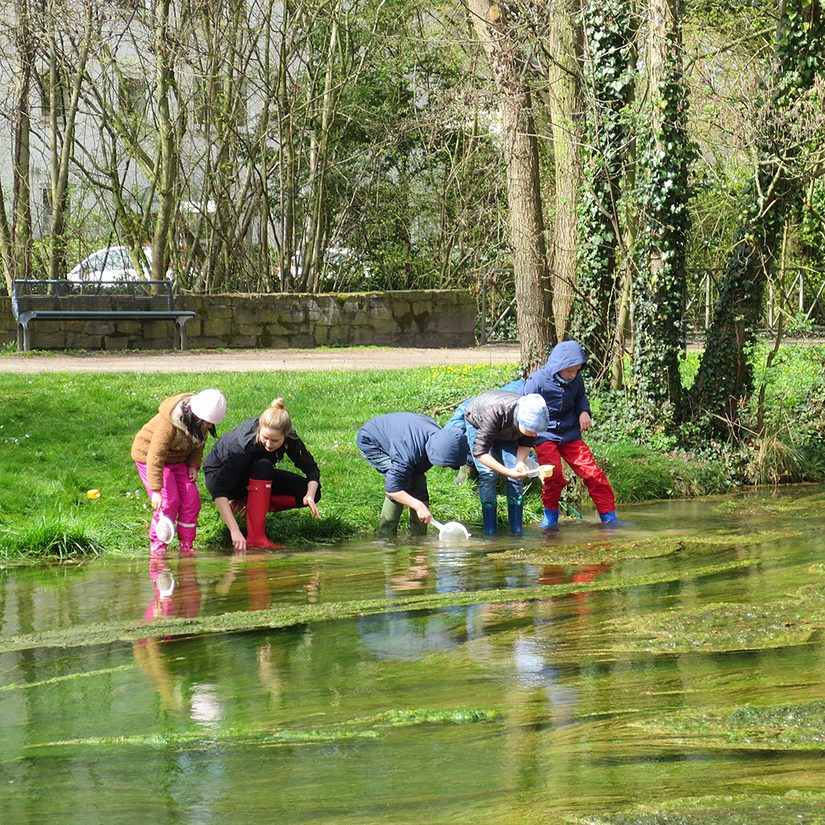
x,y
241,472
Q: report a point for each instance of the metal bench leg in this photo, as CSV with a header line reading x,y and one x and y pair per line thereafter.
x,y
23,340
181,336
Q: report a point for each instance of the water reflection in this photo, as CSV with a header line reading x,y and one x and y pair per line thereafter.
x,y
291,723
250,576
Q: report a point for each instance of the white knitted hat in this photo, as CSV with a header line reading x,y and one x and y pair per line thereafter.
x,y
209,405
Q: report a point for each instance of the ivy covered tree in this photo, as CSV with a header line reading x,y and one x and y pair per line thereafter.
x,y
788,153
663,193
609,88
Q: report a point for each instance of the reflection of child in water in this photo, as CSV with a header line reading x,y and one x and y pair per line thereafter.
x,y
175,593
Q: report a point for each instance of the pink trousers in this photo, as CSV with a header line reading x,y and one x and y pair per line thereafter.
x,y
577,454
181,500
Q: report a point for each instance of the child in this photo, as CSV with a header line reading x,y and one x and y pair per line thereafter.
x,y
402,446
240,471
168,451
501,428
561,385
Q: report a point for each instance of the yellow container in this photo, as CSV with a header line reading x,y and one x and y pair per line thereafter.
x,y
93,493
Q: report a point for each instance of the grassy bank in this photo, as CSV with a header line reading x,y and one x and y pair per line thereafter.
x,y
62,435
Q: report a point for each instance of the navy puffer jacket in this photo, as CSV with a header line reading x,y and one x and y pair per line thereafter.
x,y
565,402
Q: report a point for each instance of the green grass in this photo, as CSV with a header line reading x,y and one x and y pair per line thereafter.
x,y
66,433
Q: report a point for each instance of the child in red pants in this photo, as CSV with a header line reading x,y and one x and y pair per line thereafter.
x,y
561,385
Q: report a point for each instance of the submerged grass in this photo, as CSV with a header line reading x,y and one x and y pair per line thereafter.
x,y
280,617
621,548
341,732
794,727
725,626
792,808
67,678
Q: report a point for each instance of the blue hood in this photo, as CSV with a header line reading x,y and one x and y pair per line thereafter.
x,y
564,355
448,448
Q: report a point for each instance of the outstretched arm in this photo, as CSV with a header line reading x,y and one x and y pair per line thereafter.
x,y
225,510
421,509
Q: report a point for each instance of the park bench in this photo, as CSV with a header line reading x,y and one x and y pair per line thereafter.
x,y
98,300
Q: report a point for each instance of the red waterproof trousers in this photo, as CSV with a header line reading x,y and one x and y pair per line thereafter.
x,y
577,454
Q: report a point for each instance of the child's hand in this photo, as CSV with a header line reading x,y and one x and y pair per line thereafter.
x,y
519,471
585,421
193,472
424,514
157,500
238,539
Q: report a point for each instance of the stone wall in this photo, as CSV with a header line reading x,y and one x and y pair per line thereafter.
x,y
421,318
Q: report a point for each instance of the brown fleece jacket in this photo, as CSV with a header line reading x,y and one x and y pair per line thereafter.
x,y
165,440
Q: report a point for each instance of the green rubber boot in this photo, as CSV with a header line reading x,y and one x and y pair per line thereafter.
x,y
417,527
390,516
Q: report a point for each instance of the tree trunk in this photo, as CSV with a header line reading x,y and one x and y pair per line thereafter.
x,y
725,376
533,286
21,187
566,116
608,89
664,223
62,148
167,144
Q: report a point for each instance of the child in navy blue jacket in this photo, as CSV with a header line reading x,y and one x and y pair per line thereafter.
x,y
561,385
402,446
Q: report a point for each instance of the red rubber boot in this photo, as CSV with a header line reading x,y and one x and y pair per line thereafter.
x,y
278,502
257,506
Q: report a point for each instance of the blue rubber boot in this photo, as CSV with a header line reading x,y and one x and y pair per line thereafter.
x,y
612,520
515,516
551,518
488,513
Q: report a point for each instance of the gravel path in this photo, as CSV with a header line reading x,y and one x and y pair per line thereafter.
x,y
291,360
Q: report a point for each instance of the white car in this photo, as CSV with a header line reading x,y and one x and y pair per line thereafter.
x,y
113,263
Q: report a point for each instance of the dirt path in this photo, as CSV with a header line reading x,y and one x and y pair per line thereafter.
x,y
291,360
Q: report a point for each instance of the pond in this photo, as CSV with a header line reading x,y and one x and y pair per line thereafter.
x,y
669,672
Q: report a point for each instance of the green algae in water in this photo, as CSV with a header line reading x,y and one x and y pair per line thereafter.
x,y
67,677
793,808
780,506
625,548
342,732
429,716
280,617
723,627
788,727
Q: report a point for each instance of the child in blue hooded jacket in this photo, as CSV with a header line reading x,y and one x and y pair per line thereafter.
x,y
402,446
561,385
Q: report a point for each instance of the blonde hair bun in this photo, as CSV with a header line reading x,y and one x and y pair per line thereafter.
x,y
276,417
